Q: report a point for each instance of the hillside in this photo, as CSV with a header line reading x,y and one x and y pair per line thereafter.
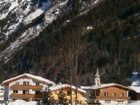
x,y
104,34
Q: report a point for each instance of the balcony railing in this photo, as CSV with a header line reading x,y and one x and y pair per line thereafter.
x,y
26,96
26,87
111,97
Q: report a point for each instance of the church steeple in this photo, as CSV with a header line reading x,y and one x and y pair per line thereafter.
x,y
97,78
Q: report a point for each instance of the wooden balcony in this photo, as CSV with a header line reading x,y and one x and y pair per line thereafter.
x,y
112,98
26,96
26,87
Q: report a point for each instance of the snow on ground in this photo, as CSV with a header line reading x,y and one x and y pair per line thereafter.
x,y
14,4
20,19
96,1
33,32
89,28
21,102
13,27
15,7
38,12
135,103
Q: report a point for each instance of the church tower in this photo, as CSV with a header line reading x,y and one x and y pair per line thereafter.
x,y
97,78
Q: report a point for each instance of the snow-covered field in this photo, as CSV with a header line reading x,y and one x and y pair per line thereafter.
x,y
135,103
22,102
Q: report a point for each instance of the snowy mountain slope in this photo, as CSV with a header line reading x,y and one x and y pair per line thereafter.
x,y
48,11
21,12
23,20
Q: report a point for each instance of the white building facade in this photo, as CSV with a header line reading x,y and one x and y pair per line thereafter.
x,y
2,91
26,87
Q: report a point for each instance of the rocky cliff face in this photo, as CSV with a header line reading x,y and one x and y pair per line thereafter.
x,y
23,20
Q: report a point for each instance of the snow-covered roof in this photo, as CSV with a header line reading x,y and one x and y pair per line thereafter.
x,y
86,87
95,87
61,86
38,78
135,88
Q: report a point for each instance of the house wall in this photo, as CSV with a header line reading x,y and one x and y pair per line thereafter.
x,y
113,102
112,96
18,85
69,93
2,95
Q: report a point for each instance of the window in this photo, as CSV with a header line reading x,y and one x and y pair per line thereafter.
x,y
107,101
37,92
69,92
106,94
25,83
17,83
15,91
114,94
120,102
122,95
25,92
37,83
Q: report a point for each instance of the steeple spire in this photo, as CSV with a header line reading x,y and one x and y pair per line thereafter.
x,y
97,78
97,73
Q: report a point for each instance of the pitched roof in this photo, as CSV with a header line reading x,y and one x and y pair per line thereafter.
x,y
94,87
38,78
135,88
61,86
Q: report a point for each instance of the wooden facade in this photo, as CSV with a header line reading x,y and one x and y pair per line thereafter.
x,y
111,93
26,96
26,87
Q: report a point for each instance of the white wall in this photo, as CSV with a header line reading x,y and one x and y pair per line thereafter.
x,y
103,102
20,81
2,95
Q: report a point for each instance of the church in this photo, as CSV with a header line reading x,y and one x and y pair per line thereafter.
x,y
106,94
